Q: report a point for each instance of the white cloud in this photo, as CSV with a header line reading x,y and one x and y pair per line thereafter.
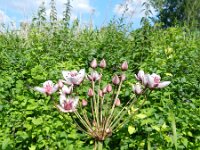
x,y
3,17
132,8
82,6
26,8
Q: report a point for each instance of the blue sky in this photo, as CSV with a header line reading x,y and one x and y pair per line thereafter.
x,y
101,11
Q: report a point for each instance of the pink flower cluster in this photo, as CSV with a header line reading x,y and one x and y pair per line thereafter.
x,y
73,78
148,81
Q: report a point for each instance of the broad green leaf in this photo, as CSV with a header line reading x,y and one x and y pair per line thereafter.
x,y
131,129
141,116
37,121
33,147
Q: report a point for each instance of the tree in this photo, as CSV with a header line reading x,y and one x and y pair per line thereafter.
x,y
40,19
53,13
172,12
66,12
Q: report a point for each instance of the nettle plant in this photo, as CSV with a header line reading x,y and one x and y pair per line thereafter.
x,y
100,118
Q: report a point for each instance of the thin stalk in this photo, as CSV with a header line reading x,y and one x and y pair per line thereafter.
x,y
81,129
98,145
113,106
101,110
117,116
86,117
127,119
92,107
83,122
95,103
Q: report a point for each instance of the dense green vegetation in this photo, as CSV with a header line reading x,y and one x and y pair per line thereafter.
x,y
169,120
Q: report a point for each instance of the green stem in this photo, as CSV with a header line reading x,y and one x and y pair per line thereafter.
x,y
98,145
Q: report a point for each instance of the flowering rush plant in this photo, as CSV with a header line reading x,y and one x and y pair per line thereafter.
x,y
96,114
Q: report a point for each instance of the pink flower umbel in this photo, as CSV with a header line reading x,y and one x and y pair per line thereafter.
x,y
73,77
67,104
48,88
153,81
106,113
94,76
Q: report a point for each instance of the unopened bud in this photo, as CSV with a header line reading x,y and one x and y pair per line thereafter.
x,y
115,80
84,102
123,77
90,92
102,63
104,90
108,130
93,64
109,88
60,84
100,93
124,66
117,102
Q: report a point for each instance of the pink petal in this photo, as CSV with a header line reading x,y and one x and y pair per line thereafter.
x,y
48,82
39,89
140,74
75,102
55,88
163,84
136,77
150,81
67,77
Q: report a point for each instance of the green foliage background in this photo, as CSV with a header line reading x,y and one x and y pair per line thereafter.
x,y
169,120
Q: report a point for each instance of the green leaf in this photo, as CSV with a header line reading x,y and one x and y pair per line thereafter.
x,y
131,129
37,121
33,147
141,116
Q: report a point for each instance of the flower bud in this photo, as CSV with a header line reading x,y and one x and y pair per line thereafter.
x,y
117,102
123,77
104,90
93,64
60,84
100,93
90,92
108,88
115,80
109,131
84,102
102,63
124,66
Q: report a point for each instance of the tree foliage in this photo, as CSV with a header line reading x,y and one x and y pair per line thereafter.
x,y
172,12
